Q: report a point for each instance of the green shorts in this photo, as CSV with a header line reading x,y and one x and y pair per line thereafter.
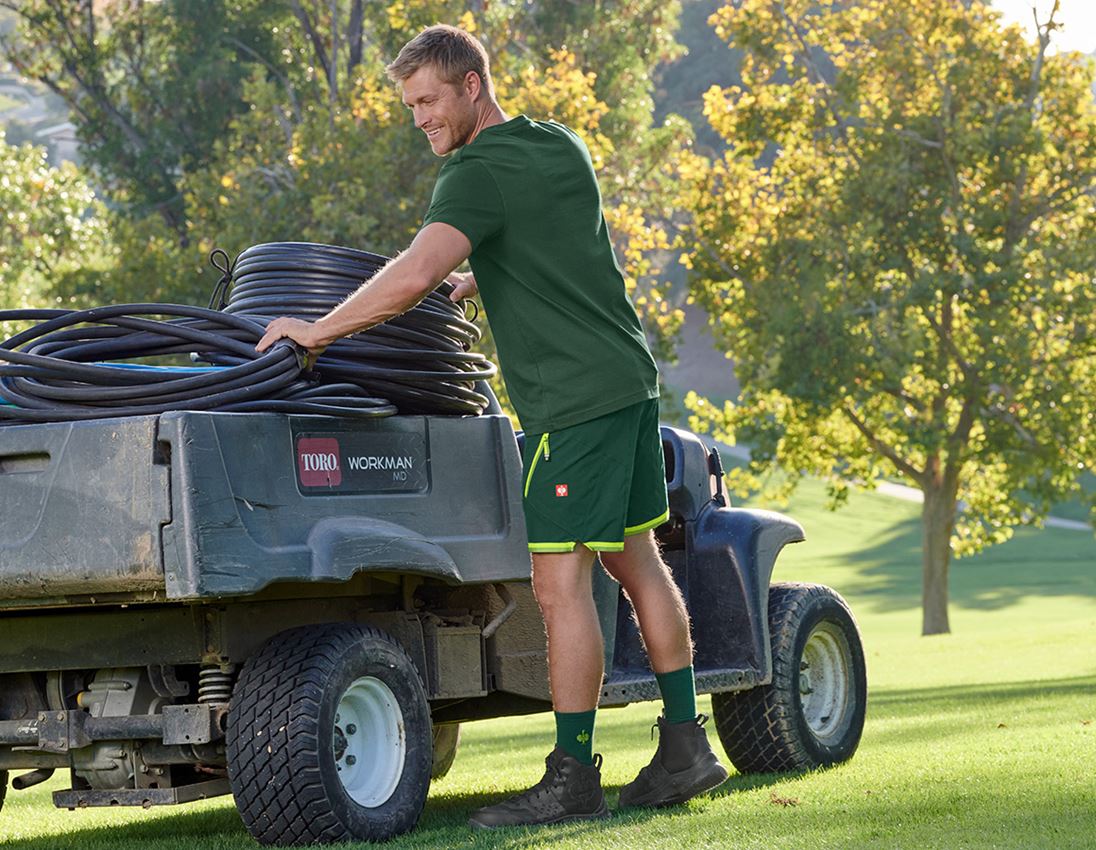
x,y
595,482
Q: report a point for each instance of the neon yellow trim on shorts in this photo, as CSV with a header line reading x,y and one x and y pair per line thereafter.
x,y
647,526
552,547
597,546
541,447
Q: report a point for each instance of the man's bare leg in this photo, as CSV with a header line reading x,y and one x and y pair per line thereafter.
x,y
563,585
655,597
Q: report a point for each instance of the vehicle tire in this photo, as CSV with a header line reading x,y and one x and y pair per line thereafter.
x,y
329,738
446,741
3,786
812,714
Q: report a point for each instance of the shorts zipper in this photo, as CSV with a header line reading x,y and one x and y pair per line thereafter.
x,y
542,449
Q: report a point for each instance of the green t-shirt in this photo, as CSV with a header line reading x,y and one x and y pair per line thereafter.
x,y
569,342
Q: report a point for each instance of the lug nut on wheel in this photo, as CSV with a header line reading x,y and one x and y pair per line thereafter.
x,y
351,761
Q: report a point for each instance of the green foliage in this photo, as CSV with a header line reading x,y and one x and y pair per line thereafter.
x,y
144,262
897,250
150,85
354,176
52,229
623,40
681,83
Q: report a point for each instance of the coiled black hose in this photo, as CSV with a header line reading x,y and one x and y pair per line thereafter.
x,y
54,374
420,361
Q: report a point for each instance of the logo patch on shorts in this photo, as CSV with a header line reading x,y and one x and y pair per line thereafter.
x,y
561,490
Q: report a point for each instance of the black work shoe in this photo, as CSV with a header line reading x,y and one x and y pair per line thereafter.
x,y
569,791
683,766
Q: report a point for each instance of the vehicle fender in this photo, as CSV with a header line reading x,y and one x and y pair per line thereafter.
x,y
745,542
344,545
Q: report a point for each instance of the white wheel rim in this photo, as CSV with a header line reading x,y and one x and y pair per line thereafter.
x,y
369,742
824,673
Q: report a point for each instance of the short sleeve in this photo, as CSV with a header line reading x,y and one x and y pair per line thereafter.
x,y
466,197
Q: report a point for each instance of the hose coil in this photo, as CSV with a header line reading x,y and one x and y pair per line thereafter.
x,y
421,361
63,369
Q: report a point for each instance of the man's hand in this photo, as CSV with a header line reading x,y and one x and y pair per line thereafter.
x,y
305,334
464,285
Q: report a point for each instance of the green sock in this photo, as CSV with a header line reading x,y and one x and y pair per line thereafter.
x,y
575,734
678,694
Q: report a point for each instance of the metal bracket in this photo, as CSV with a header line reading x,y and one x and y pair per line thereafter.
x,y
188,724
212,623
59,731
144,797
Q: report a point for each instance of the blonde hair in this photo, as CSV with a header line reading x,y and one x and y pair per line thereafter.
x,y
450,50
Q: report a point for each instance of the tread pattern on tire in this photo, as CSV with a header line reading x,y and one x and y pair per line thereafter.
x,y
758,727
280,688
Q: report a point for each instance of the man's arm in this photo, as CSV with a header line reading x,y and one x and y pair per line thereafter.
x,y
435,251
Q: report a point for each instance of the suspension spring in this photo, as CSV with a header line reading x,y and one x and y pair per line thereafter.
x,y
215,683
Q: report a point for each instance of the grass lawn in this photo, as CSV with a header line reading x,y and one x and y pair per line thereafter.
x,y
982,738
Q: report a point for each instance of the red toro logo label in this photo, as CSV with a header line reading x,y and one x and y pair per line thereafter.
x,y
561,490
318,462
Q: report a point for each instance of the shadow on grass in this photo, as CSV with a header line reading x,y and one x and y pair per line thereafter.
x,y
203,829
926,715
444,823
534,740
887,572
446,818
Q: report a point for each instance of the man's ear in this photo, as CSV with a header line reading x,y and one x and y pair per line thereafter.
x,y
473,85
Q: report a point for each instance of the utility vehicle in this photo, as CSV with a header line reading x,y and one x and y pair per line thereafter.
x,y
302,610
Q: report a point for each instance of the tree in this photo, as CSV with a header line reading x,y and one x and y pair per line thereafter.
x,y
150,85
897,251
681,83
51,227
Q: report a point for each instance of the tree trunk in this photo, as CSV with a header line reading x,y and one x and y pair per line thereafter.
x,y
354,35
937,522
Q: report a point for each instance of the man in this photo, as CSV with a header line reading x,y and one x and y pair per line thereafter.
x,y
518,198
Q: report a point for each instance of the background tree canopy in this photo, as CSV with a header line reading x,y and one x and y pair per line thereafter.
x,y
897,248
